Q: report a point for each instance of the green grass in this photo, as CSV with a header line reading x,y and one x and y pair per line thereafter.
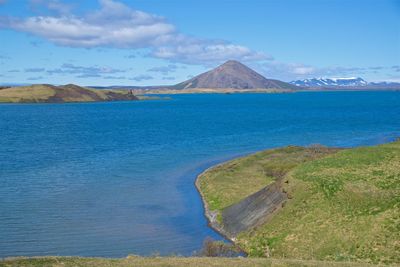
x,y
343,207
230,182
343,210
167,261
34,93
42,93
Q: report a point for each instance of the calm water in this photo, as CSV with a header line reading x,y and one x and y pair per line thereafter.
x,y
110,179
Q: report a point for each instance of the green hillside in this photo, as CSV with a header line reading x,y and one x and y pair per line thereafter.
x,y
228,183
45,93
341,207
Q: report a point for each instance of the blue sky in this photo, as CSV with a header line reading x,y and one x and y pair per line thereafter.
x,y
153,42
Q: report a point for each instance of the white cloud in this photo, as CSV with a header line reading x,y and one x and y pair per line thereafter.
x,y
285,71
83,71
165,70
115,24
201,51
294,71
140,78
303,70
78,32
35,78
34,70
52,5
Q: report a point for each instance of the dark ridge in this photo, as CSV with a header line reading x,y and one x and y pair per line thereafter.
x,y
253,210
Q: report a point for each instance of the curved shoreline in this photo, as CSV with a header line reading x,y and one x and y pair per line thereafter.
x,y
207,212
227,189
211,216
260,204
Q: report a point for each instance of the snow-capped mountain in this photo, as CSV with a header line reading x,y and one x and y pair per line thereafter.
x,y
324,82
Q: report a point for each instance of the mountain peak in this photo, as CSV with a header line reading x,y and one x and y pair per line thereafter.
x,y
233,75
231,62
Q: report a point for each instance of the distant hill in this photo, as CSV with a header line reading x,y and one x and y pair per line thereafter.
x,y
348,83
234,75
46,93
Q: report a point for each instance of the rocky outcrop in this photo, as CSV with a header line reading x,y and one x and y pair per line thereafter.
x,y
252,210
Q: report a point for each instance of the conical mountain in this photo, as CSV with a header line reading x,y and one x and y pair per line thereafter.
x,y
235,75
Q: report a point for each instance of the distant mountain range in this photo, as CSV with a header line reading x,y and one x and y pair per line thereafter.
x,y
233,75
353,82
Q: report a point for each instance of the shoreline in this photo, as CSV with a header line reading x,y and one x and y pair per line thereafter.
x,y
146,95
211,216
255,91
207,212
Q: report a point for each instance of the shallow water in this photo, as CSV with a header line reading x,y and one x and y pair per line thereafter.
x,y
112,179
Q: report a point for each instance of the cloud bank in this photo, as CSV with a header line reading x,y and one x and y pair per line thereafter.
x,y
117,25
51,5
294,71
165,70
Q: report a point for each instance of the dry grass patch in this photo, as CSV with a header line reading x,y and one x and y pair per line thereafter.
x,y
167,261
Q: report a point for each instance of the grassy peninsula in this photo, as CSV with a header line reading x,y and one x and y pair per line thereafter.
x,y
46,93
342,209
230,182
342,205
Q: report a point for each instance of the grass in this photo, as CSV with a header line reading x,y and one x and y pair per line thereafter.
x,y
343,207
167,261
343,210
34,93
230,182
42,93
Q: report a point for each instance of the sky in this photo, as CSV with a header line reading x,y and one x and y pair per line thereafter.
x,y
162,42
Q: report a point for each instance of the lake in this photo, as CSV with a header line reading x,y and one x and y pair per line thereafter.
x,y
117,178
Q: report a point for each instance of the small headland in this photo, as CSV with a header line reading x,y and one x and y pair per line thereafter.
x,y
309,203
46,93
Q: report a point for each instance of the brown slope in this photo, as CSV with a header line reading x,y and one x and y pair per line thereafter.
x,y
46,93
235,75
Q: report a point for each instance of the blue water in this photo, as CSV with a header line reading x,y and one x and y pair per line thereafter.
x,y
112,179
